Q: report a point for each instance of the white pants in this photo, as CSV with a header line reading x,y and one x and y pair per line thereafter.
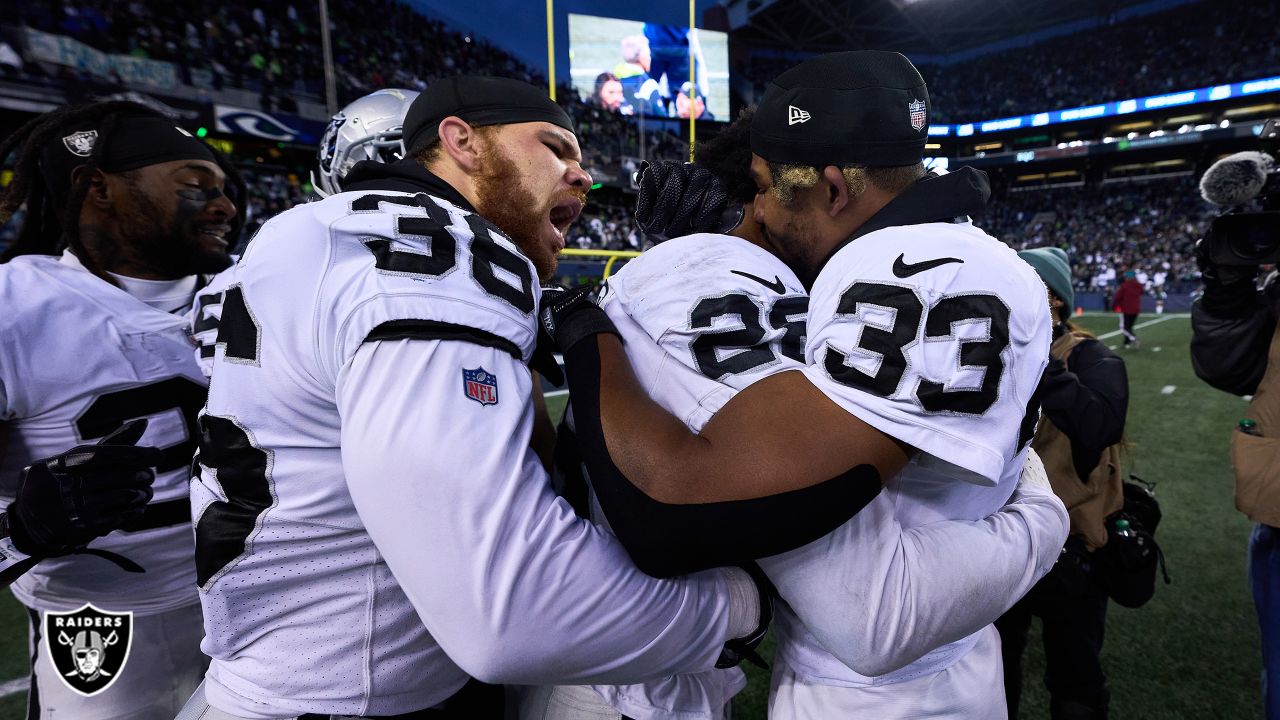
x,y
164,667
576,702
564,702
970,689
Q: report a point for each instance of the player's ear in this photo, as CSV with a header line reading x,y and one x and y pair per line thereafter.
x,y
460,142
99,193
837,195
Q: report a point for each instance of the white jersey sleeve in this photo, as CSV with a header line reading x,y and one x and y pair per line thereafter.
x,y
718,307
908,591
499,568
937,335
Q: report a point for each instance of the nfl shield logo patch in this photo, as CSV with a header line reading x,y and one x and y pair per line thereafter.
x,y
916,108
81,143
480,385
88,647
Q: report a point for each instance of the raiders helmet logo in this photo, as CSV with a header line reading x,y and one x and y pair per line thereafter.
x,y
81,143
916,109
88,647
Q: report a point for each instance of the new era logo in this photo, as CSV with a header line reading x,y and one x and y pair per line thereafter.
x,y
796,115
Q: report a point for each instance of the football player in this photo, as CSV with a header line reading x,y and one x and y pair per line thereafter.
x,y
705,315
125,211
371,524
370,128
921,367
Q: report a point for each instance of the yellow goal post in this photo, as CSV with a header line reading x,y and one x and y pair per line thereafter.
x,y
613,256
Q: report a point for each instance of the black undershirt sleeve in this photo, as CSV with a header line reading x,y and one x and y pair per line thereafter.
x,y
665,539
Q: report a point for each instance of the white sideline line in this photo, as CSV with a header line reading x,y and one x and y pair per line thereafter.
x,y
1140,325
555,393
13,687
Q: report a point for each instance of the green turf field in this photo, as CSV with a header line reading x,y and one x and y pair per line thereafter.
x,y
1193,651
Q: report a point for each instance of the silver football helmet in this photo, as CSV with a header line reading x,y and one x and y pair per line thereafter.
x,y
367,129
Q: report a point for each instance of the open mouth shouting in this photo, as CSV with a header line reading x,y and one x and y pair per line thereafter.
x,y
561,216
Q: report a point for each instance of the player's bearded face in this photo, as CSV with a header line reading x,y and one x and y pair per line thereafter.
x,y
170,227
526,198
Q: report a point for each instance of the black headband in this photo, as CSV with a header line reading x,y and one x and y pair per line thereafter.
x,y
136,141
479,101
863,107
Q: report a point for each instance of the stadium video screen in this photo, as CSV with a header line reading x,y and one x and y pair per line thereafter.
x,y
634,68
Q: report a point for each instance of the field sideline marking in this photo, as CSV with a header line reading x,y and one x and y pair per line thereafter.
x,y
555,393
13,687
1140,325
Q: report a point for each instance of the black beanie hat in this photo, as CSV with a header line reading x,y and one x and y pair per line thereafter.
x,y
137,141
863,107
480,101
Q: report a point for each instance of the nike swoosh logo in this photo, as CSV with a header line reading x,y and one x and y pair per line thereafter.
x,y
775,286
906,270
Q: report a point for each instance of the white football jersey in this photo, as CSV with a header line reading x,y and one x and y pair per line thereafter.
x,y
702,317
82,357
329,587
937,335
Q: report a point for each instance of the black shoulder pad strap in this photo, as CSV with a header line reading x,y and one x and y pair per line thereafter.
x,y
436,330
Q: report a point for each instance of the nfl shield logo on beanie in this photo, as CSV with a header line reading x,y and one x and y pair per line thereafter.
x,y
916,108
88,647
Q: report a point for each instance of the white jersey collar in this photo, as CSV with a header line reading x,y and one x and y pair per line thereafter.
x,y
166,295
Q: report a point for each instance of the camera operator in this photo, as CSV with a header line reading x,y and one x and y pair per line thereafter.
x,y
1235,347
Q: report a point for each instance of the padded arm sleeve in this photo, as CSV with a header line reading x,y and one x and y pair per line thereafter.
x,y
513,585
666,540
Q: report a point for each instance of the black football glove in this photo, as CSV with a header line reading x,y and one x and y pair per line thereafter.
x,y
678,199
744,648
66,501
569,316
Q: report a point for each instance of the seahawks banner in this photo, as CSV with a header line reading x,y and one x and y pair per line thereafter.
x,y
88,647
276,127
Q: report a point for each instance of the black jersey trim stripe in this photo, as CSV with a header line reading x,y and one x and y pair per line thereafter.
x,y
436,330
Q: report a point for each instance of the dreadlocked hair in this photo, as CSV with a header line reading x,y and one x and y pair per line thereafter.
x,y
47,229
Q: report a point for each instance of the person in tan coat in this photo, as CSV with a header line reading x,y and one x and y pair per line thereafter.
x,y
1085,398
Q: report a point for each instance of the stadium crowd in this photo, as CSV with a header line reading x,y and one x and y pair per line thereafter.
x,y
1149,227
271,48
275,47
1166,47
